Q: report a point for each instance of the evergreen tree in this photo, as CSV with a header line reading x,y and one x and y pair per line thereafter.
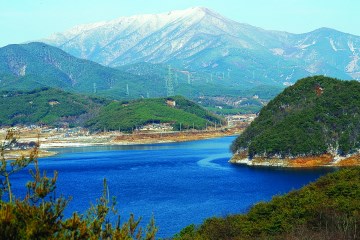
x,y
40,215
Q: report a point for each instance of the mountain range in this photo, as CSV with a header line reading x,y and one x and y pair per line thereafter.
x,y
201,42
37,65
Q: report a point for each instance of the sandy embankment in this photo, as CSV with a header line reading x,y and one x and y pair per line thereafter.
x,y
115,138
14,154
171,137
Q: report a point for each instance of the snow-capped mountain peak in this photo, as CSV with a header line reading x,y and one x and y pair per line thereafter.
x,y
156,21
199,38
168,33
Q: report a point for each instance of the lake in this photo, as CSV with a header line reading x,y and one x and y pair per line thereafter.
x,y
178,183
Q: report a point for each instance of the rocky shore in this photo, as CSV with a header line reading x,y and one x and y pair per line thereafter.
x,y
325,160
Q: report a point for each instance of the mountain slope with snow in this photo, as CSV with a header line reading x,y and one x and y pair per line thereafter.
x,y
200,40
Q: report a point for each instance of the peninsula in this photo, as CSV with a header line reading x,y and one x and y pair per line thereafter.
x,y
315,122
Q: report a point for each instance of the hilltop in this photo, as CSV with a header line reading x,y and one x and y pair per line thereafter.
x,y
178,112
314,122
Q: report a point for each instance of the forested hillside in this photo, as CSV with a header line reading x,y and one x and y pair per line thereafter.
x,y
36,65
54,107
47,106
128,116
326,209
317,115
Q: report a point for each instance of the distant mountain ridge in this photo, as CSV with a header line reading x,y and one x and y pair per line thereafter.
x,y
36,65
200,40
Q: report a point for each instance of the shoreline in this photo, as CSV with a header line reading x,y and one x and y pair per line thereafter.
x,y
114,139
324,160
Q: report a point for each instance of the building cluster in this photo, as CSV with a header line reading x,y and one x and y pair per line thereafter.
x,y
234,120
156,127
49,132
66,132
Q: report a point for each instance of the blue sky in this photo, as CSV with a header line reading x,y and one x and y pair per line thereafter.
x,y
26,20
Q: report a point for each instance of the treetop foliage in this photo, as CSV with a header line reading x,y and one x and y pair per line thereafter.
x,y
326,209
128,115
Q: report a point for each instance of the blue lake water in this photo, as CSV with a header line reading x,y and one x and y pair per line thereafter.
x,y
178,183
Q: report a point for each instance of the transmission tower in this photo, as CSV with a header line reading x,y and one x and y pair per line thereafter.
x,y
127,89
170,83
94,85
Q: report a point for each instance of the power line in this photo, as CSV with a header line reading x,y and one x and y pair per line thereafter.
x,y
176,79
